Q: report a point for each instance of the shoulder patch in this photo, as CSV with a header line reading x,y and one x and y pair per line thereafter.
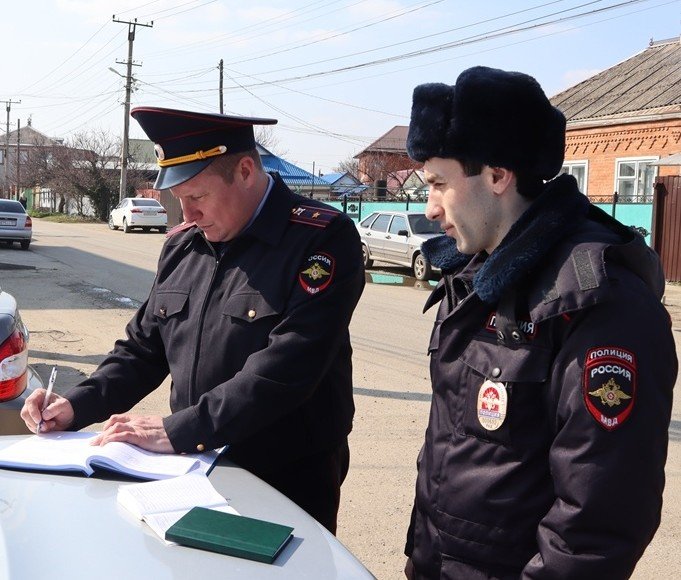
x,y
313,216
316,272
609,385
180,228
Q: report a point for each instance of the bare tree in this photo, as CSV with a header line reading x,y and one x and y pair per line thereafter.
x,y
87,171
266,137
349,165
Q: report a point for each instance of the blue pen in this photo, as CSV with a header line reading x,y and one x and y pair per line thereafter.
x,y
50,386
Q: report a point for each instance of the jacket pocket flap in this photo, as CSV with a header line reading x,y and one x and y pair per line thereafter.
x,y
249,306
526,364
169,303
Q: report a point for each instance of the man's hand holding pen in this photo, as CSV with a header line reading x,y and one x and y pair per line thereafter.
x,y
45,411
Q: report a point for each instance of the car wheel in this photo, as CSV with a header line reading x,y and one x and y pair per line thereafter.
x,y
368,262
111,224
126,227
162,230
25,244
422,269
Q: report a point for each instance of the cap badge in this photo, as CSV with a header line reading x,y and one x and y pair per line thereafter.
x,y
492,405
158,151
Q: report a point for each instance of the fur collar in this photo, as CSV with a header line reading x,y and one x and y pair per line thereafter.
x,y
550,218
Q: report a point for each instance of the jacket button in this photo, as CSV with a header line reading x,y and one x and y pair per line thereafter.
x,y
496,372
500,335
163,311
200,447
251,313
515,335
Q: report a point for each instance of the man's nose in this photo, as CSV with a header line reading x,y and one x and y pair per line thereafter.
x,y
433,208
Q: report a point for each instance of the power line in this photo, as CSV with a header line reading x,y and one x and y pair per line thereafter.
x,y
499,33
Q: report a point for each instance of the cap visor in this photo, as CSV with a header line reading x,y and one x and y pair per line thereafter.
x,y
176,174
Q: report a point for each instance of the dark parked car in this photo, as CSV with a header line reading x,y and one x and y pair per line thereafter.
x,y
15,224
17,379
396,237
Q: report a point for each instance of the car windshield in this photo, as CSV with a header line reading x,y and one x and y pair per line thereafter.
x,y
10,206
420,224
146,201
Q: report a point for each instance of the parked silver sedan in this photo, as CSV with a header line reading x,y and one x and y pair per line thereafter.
x,y
15,224
396,237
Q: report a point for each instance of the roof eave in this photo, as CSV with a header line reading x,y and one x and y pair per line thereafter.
x,y
623,119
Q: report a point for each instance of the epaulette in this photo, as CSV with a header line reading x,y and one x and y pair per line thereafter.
x,y
180,228
313,216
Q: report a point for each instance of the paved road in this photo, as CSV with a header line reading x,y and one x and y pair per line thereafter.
x,y
79,284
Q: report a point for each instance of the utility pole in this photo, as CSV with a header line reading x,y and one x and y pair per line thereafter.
x,y
126,114
6,157
221,66
18,158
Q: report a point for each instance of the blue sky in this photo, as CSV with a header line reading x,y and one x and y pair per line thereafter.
x,y
336,73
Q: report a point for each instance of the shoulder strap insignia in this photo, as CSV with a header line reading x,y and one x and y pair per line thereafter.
x,y
313,216
180,228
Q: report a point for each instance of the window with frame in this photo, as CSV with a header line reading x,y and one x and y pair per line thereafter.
x,y
381,223
2,157
399,224
634,179
578,170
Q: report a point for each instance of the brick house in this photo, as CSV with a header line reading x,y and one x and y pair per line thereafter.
x,y
385,156
622,121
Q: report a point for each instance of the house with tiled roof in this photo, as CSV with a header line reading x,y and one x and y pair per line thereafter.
x,y
385,156
343,184
16,151
622,122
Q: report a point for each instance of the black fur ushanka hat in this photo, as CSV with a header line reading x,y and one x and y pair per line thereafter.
x,y
495,117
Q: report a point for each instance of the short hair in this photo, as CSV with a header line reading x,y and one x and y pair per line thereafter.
x,y
529,186
226,164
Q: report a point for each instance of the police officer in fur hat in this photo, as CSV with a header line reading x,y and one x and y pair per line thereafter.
x,y
249,315
552,359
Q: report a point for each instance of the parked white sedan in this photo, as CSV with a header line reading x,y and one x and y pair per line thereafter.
x,y
138,212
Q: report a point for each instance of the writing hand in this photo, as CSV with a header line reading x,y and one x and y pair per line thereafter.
x,y
57,416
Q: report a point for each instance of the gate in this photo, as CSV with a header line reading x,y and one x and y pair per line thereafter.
x,y
667,225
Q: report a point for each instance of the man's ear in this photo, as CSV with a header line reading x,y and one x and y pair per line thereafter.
x,y
245,169
502,178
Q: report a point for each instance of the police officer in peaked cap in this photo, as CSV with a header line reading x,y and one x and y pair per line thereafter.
x,y
249,315
552,359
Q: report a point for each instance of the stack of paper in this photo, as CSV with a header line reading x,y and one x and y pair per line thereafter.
x,y
161,503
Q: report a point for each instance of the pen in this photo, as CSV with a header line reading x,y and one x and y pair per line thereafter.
x,y
50,386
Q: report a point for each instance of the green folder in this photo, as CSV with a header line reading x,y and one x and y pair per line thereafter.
x,y
229,534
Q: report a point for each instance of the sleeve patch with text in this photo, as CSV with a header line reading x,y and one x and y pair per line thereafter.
x,y
317,272
609,385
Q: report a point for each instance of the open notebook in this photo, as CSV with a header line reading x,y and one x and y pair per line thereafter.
x,y
71,451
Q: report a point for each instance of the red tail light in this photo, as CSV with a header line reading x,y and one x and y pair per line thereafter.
x,y
136,210
29,221
13,366
162,211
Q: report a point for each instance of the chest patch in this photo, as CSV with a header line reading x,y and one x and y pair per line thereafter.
x,y
527,327
492,405
317,272
609,385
